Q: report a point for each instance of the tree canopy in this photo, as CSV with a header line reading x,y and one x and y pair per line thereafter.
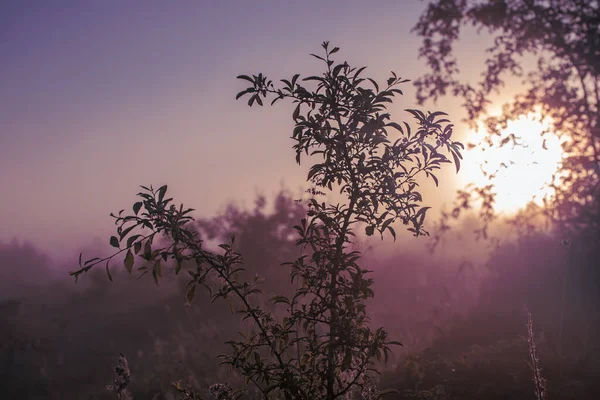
x,y
563,36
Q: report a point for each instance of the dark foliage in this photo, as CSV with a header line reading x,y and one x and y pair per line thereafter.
x,y
324,347
563,36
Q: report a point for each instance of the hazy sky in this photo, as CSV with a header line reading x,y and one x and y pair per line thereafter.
x,y
98,97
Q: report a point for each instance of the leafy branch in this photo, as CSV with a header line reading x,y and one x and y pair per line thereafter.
x,y
322,347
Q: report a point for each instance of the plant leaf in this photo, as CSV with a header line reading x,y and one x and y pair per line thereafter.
x,y
129,261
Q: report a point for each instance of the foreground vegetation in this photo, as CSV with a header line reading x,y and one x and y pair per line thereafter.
x,y
453,348
323,346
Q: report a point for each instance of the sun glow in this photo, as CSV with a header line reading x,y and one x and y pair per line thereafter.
x,y
521,172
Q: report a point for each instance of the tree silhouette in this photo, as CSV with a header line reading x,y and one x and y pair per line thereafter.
x,y
265,238
564,38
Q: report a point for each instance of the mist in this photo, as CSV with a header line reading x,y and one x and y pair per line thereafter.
x,y
464,317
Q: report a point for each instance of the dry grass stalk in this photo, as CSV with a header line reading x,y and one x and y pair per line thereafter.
x,y
538,380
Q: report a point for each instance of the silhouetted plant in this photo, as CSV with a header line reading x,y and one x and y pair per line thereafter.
x,y
122,379
323,348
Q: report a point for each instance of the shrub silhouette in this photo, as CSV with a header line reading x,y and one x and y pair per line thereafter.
x,y
324,347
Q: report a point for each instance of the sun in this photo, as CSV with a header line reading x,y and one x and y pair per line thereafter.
x,y
521,173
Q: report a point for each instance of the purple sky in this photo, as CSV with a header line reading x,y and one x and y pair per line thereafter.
x,y
99,97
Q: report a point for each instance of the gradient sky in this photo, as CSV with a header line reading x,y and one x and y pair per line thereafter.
x,y
99,97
